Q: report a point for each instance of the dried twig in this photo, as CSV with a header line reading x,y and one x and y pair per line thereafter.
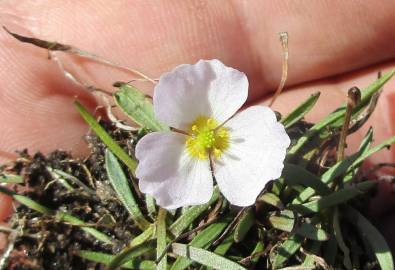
x,y
354,97
284,74
65,48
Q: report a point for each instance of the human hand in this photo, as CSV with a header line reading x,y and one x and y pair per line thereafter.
x,y
333,45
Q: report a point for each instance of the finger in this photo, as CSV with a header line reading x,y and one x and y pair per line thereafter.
x,y
326,38
36,102
334,93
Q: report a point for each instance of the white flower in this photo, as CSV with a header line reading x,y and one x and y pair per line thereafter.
x,y
246,150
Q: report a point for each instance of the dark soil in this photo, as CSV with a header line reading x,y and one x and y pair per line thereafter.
x,y
45,243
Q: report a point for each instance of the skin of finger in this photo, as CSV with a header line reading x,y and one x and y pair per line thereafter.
x,y
333,94
326,37
36,102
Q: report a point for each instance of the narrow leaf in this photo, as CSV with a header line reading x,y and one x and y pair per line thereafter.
x,y
148,234
161,239
374,238
366,94
11,179
65,217
284,221
135,105
300,111
297,175
205,257
104,258
106,138
191,214
286,250
271,199
121,186
312,232
130,253
202,240
333,199
150,204
246,221
60,216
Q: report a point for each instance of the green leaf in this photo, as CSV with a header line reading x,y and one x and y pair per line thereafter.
x,y
202,240
104,258
259,247
286,250
309,260
345,166
148,234
373,237
60,216
333,199
11,179
271,199
161,239
205,257
225,245
337,231
386,144
192,213
336,170
297,175
330,250
106,138
338,114
135,105
65,217
121,186
130,253
150,204
246,221
312,232
300,111
33,205
284,221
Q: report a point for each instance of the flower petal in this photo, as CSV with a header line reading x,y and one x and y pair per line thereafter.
x,y
255,156
169,174
207,88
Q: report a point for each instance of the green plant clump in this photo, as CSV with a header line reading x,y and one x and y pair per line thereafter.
x,y
89,213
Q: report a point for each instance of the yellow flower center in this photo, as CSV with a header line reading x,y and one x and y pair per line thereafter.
x,y
207,138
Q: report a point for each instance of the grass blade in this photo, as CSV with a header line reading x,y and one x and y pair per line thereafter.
x,y
300,111
271,199
202,240
65,217
135,105
183,222
246,221
311,232
121,186
60,216
161,239
104,258
106,138
284,221
286,250
333,199
374,237
130,253
205,257
366,94
11,179
297,175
